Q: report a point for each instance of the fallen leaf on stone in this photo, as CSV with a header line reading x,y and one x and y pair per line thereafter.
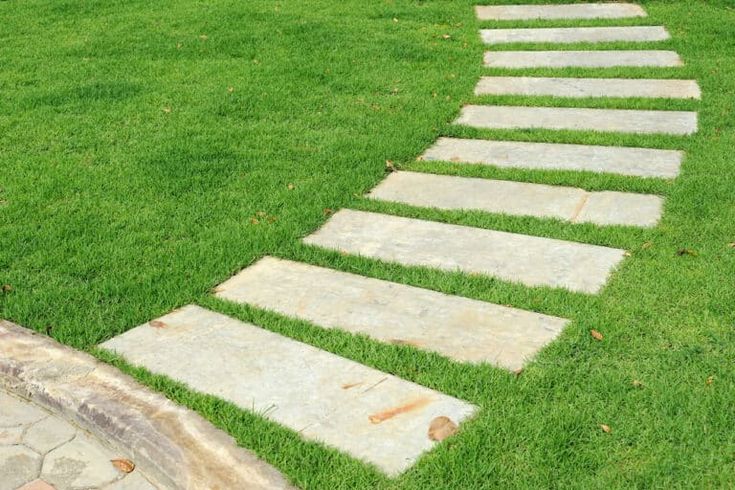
x,y
441,428
124,465
686,251
605,428
596,335
710,380
157,324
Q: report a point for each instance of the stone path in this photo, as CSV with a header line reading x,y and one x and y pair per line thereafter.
x,y
41,451
588,87
377,417
564,35
580,59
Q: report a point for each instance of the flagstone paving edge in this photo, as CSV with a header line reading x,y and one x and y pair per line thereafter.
x,y
174,446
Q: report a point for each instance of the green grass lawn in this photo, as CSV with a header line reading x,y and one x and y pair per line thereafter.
x,y
149,150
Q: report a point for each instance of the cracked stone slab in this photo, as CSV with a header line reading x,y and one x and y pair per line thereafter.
x,y
519,198
551,12
373,416
581,59
14,412
566,35
47,434
18,465
170,445
580,119
638,162
589,87
529,260
80,463
459,328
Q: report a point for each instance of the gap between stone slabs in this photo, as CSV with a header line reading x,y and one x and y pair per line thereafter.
x,y
581,59
588,87
460,328
371,415
520,198
569,35
583,119
551,12
529,260
638,162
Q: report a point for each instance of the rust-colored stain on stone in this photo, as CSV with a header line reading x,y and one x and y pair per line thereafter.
x,y
347,386
379,417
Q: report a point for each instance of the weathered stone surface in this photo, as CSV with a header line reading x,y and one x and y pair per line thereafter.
x,y
37,484
568,11
371,415
588,87
582,59
134,481
519,198
172,446
14,412
11,435
80,463
459,328
47,434
566,35
18,465
529,260
639,162
583,119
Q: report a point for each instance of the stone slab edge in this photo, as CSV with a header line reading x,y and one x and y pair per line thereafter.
x,y
174,446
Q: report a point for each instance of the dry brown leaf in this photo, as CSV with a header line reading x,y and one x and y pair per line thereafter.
x,y
6,288
731,245
157,324
389,166
647,245
518,371
596,335
446,36
124,465
710,380
637,383
290,187
686,251
605,428
441,428
627,254
328,211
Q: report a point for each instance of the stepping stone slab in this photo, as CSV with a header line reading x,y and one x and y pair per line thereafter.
x,y
567,35
520,198
550,12
589,87
459,328
638,162
583,59
583,119
533,261
376,417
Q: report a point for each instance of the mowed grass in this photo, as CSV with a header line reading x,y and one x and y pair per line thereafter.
x,y
150,151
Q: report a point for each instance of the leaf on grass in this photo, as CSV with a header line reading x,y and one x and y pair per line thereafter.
x,y
596,335
710,380
6,288
446,36
518,371
441,428
124,465
637,383
157,324
389,166
686,251
731,245
605,428
647,245
328,211
290,187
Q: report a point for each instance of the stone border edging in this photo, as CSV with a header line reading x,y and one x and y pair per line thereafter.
x,y
173,445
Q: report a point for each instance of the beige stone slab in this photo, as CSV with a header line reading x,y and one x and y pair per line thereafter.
x,y
564,11
462,329
582,119
519,198
588,87
567,35
581,59
371,415
533,261
639,162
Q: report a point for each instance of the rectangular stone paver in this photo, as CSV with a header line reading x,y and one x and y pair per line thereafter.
x,y
566,35
583,59
533,261
566,118
520,198
568,11
459,328
588,87
638,162
373,416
